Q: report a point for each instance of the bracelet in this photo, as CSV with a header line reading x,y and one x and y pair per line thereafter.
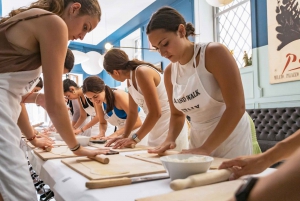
x,y
30,139
82,129
36,97
75,148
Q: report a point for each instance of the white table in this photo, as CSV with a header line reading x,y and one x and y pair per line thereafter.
x,y
69,185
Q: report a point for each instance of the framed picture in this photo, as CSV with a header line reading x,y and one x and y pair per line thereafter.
x,y
283,40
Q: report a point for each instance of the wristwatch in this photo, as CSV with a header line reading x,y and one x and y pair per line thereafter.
x,y
243,192
135,138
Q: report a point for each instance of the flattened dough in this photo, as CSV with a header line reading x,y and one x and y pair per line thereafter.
x,y
95,169
63,151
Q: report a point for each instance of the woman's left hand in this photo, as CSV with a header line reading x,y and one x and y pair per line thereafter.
x,y
42,142
199,151
126,142
77,131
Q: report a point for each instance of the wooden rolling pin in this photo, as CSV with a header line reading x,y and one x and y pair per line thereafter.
x,y
201,179
168,152
100,159
105,183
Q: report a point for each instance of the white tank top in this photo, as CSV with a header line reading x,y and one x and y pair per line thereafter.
x,y
139,97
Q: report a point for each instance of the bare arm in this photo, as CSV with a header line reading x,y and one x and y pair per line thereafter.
x,y
282,184
147,81
257,163
27,130
177,118
223,68
132,114
122,100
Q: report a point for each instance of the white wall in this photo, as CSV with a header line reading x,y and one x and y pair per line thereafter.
x,y
8,5
204,23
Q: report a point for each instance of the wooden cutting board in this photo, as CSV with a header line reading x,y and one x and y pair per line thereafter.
x,y
56,153
118,166
137,147
154,158
216,192
56,143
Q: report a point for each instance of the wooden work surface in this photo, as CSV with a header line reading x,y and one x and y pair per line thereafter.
x,y
154,158
215,192
44,155
56,143
119,165
137,147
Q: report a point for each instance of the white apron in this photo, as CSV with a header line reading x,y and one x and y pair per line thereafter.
x,y
120,123
92,112
205,112
159,132
15,180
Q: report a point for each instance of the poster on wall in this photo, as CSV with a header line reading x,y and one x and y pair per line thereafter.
x,y
284,40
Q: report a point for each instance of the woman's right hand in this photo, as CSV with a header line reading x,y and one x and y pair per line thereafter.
x,y
82,151
246,165
163,147
114,140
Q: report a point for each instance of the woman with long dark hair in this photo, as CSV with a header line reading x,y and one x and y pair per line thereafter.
x,y
112,106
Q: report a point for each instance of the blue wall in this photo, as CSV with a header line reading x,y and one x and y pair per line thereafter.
x,y
259,93
0,8
185,7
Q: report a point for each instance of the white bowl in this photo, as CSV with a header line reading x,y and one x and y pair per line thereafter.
x,y
57,136
83,140
180,166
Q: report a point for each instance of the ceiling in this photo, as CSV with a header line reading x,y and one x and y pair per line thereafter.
x,y
115,13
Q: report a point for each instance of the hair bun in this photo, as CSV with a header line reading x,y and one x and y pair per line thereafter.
x,y
190,29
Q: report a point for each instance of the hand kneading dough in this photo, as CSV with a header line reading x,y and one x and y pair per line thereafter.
x,y
95,169
63,151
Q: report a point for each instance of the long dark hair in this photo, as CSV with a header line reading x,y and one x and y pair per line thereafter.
x,y
96,85
88,7
69,60
67,83
40,83
116,59
169,19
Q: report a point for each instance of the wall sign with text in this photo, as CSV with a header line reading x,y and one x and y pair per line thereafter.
x,y
284,40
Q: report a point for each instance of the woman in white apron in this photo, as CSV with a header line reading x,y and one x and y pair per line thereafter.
x,y
112,107
146,89
204,83
85,125
23,51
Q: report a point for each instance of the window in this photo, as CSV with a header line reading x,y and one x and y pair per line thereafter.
x,y
137,50
36,113
233,28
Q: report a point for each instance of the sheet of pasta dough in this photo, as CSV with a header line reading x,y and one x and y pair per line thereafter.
x,y
95,169
62,151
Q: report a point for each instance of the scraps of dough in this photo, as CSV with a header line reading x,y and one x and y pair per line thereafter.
x,y
95,169
63,151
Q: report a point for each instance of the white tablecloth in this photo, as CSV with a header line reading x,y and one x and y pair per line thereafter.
x,y
69,185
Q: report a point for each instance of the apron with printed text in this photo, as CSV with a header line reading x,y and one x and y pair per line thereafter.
x,y
120,123
205,112
15,180
160,130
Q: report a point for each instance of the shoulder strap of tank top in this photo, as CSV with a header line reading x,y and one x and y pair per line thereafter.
x,y
28,18
202,53
149,67
197,47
